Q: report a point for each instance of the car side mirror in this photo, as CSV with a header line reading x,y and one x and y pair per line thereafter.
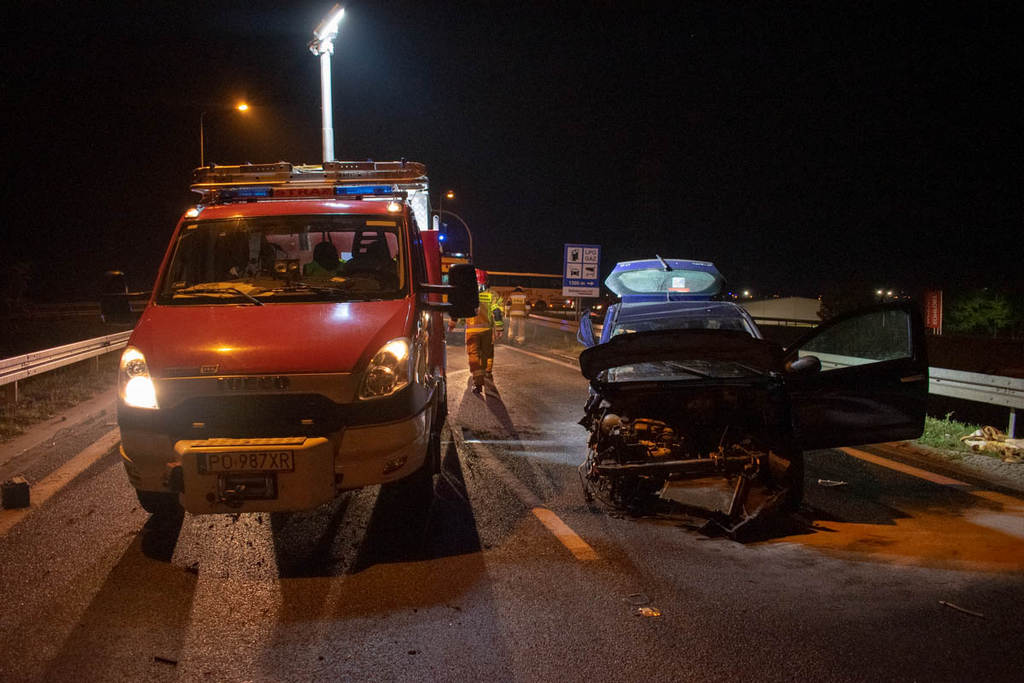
x,y
585,333
114,304
806,365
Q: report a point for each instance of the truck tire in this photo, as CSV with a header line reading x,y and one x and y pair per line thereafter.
x,y
160,503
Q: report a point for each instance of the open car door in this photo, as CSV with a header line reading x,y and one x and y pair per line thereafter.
x,y
872,384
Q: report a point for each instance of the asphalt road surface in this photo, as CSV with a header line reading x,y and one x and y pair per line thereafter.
x,y
897,574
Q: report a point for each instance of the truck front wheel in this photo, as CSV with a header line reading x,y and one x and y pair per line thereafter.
x,y
160,503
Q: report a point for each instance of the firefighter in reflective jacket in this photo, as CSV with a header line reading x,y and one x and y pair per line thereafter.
x,y
481,332
517,310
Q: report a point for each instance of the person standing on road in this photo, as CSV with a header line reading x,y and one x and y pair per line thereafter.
x,y
517,311
481,332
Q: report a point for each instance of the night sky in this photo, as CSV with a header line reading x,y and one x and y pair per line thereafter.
x,y
799,146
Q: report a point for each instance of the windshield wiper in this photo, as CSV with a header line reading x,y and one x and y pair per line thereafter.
x,y
219,290
675,365
306,287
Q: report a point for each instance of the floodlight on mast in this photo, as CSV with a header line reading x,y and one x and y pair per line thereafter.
x,y
322,46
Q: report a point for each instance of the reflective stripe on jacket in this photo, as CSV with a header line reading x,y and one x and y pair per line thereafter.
x,y
517,303
488,315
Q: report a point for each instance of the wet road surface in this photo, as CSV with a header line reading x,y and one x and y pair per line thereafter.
x,y
511,575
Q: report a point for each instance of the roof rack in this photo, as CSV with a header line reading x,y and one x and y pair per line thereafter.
x,y
348,180
210,181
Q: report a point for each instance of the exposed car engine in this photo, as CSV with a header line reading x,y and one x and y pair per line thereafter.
x,y
716,449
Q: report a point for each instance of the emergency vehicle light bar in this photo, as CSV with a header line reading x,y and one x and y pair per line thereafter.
x,y
349,179
379,172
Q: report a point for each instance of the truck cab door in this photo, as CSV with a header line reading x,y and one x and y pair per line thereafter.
x,y
872,383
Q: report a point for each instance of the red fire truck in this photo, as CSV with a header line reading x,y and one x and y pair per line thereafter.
x,y
293,346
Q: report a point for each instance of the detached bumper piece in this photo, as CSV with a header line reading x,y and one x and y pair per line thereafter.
x,y
256,475
14,493
725,494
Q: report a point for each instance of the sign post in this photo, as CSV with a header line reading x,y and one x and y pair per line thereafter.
x,y
933,310
580,270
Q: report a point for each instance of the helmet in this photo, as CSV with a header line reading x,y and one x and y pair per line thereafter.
x,y
481,277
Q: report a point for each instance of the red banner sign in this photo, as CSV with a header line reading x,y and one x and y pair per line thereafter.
x,y
933,309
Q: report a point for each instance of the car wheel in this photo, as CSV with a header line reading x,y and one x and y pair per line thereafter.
x,y
160,503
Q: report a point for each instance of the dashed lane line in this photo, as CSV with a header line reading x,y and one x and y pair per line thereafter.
x,y
572,541
55,481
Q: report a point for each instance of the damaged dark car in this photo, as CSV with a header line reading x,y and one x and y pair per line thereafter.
x,y
711,417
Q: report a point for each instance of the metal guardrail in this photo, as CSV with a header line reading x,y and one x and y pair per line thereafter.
x,y
17,368
81,309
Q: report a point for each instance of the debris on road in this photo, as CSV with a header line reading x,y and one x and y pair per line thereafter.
x,y
829,483
14,493
647,612
637,599
165,660
994,441
958,608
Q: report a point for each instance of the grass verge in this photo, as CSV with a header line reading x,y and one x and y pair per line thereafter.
x,y
944,434
47,395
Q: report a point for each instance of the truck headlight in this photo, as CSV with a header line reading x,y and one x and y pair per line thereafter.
x,y
134,384
388,371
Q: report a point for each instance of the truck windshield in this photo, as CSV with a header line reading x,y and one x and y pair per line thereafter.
x,y
274,259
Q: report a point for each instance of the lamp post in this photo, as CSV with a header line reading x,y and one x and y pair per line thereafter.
x,y
241,106
322,46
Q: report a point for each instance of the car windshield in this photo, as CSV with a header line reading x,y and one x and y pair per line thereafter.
x,y
671,370
682,322
273,259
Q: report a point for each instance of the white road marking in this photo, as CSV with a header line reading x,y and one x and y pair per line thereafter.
x,y
579,548
44,490
548,359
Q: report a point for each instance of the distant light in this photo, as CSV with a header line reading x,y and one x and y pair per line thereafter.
x,y
449,195
878,292
746,292
889,293
242,106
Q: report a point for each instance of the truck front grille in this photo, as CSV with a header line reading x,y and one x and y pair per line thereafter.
x,y
206,417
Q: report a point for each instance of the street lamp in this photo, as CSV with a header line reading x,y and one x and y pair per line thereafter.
x,y
440,203
241,106
322,46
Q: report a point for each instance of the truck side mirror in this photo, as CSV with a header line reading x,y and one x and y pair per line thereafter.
x,y
114,305
464,298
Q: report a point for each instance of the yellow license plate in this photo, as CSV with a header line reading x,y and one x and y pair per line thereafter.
x,y
247,461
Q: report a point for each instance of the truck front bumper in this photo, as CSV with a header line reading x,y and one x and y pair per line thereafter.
x,y
313,472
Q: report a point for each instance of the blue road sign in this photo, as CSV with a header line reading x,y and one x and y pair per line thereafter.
x,y
580,270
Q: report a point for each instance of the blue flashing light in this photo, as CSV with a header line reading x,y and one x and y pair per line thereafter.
x,y
246,192
363,189
440,238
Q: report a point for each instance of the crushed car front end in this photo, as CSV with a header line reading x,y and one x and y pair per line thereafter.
x,y
696,417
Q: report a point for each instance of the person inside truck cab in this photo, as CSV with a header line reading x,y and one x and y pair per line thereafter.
x,y
370,254
231,255
325,261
